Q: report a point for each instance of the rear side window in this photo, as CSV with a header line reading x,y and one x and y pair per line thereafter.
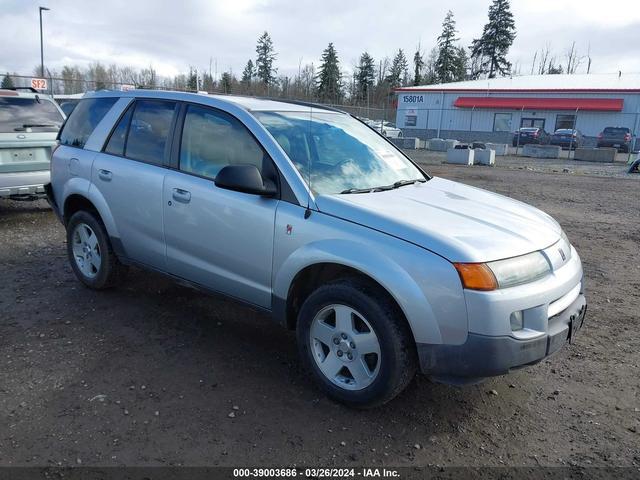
x,y
83,121
149,130
17,114
212,140
117,141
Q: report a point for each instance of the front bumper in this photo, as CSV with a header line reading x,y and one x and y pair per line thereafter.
x,y
485,356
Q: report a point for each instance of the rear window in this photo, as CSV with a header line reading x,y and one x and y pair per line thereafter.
x,y
529,129
83,120
564,131
616,130
21,114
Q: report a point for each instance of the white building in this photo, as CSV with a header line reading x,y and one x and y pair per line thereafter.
x,y
492,109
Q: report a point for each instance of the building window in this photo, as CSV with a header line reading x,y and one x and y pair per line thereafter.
x,y
502,122
565,121
410,120
532,123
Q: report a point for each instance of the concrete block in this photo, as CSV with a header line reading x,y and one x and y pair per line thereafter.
x,y
499,148
595,154
410,143
441,145
541,151
423,144
484,157
460,156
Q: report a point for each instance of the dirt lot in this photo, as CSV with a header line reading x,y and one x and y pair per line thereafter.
x,y
149,373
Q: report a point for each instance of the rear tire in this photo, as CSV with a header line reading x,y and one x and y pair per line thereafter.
x,y
90,253
365,360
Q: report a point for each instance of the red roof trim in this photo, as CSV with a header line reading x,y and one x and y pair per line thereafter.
x,y
537,103
519,90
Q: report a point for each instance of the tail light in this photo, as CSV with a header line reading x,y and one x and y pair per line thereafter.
x,y
535,134
600,136
627,137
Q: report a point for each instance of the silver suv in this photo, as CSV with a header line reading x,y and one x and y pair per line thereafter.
x,y
29,124
308,214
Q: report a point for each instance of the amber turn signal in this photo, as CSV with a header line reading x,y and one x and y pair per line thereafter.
x,y
476,276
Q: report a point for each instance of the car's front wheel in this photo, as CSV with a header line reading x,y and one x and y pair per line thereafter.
x,y
90,253
356,342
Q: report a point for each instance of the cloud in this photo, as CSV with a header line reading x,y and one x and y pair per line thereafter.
x,y
171,35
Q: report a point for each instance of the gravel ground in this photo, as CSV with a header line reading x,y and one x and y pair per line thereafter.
x,y
153,373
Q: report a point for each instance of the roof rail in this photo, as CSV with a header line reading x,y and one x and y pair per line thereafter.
x,y
302,103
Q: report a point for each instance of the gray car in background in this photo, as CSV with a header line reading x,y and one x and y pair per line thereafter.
x,y
308,214
29,124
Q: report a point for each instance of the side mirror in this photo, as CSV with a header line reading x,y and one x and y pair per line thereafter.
x,y
246,179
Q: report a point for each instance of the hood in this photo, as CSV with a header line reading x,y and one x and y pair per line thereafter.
x,y
456,221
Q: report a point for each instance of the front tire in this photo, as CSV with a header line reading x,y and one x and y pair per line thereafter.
x,y
90,253
355,340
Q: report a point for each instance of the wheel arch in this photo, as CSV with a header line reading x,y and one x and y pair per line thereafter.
x,y
315,264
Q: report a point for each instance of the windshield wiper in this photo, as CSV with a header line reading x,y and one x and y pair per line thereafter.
x,y
402,183
362,190
398,184
33,125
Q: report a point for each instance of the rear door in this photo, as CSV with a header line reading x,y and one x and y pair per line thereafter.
x,y
130,173
219,238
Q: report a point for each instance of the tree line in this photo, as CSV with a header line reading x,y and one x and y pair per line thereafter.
x,y
370,82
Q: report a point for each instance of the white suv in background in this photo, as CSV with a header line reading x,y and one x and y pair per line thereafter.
x,y
29,125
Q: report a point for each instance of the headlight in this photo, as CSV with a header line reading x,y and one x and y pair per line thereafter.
x,y
503,273
518,270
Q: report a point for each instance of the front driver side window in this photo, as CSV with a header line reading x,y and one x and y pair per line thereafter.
x,y
212,140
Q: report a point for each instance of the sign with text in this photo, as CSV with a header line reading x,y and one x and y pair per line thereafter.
x,y
39,83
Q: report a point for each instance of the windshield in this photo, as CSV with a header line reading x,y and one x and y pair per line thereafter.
x,y
336,153
23,114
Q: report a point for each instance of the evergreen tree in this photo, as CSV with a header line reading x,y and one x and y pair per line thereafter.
x,y
398,71
460,63
248,73
365,76
7,82
489,51
418,65
447,51
329,78
226,82
192,80
265,70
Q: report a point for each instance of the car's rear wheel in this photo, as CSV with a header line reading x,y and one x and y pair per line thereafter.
x,y
90,254
356,342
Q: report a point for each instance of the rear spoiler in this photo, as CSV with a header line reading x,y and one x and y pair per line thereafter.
x,y
22,89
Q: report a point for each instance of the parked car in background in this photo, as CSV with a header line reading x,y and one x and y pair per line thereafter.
x,y
616,137
567,138
385,128
68,102
304,212
29,124
531,135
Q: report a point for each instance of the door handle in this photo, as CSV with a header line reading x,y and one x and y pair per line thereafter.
x,y
181,195
105,175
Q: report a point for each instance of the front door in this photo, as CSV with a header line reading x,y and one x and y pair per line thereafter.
x,y
218,238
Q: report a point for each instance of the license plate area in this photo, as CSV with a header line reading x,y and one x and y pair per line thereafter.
x,y
22,155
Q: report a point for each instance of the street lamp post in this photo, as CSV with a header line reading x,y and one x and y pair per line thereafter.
x,y
41,45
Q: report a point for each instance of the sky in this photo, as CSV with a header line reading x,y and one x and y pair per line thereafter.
x,y
173,35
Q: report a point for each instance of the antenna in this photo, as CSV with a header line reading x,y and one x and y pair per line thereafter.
x,y
307,212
